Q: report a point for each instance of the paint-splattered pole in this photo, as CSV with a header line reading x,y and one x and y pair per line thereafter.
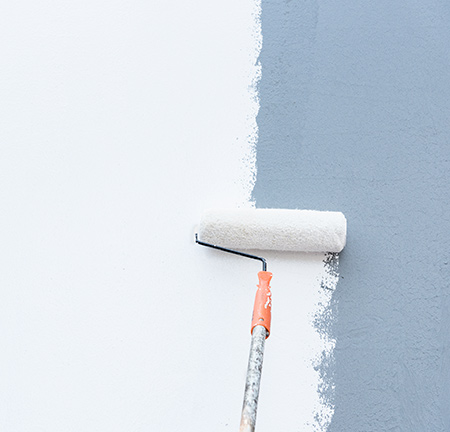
x,y
255,362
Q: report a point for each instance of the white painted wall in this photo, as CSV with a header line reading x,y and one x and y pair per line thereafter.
x,y
120,122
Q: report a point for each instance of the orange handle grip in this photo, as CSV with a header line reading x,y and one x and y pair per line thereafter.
x,y
262,310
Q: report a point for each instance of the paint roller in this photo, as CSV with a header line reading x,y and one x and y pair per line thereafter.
x,y
233,231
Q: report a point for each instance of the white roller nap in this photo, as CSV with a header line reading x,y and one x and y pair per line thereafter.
x,y
275,229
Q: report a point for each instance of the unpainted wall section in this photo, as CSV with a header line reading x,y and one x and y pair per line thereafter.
x,y
355,109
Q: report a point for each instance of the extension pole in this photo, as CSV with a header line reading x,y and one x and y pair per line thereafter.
x,y
254,369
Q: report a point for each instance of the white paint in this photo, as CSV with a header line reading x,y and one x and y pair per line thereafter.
x,y
328,280
289,398
121,122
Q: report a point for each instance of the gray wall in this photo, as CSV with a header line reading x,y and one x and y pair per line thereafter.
x,y
355,116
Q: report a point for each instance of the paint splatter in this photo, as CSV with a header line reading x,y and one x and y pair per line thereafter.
x,y
324,362
330,277
249,147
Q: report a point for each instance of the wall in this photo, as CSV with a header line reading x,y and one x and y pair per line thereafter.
x,y
121,122
354,116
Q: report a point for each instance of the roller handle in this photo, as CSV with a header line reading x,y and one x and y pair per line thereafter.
x,y
260,332
262,309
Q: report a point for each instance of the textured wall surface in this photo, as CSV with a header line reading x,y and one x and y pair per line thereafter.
x,y
355,116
